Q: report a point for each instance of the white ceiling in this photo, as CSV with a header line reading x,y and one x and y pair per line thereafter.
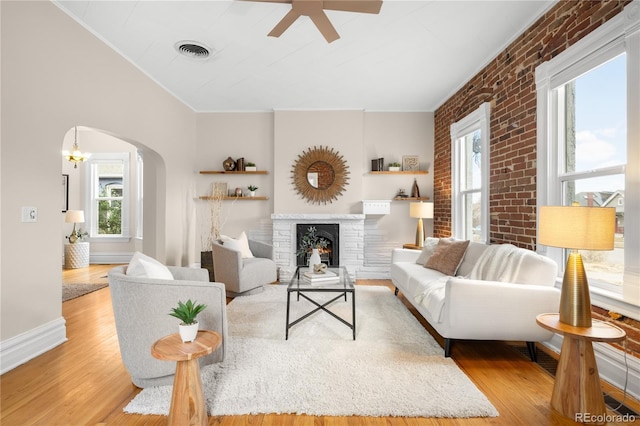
x,y
410,57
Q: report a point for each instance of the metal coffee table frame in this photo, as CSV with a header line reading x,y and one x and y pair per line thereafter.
x,y
342,287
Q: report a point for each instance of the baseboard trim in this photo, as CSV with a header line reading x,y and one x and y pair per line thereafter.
x,y
18,350
105,258
611,365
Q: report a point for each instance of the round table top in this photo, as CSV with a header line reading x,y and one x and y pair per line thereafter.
x,y
600,331
172,348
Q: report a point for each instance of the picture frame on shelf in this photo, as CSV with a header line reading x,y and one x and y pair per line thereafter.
x,y
65,193
220,188
410,163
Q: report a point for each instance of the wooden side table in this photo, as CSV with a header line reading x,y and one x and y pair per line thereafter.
x,y
187,401
76,255
411,246
576,389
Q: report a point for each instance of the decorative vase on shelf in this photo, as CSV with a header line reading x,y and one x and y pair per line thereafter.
x,y
314,259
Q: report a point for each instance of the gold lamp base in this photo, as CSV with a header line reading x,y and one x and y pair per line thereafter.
x,y
575,302
420,234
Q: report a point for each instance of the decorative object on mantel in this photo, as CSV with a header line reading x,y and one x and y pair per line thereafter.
x,y
229,164
421,211
577,228
415,191
250,167
75,216
75,156
410,163
320,175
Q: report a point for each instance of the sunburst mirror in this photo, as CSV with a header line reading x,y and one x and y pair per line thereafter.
x,y
320,175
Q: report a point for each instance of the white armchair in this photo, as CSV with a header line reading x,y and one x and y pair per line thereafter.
x,y
141,309
241,274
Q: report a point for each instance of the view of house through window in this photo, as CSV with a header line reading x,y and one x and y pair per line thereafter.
x,y
470,184
470,175
108,190
594,154
109,198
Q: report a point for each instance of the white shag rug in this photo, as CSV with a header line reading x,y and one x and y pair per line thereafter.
x,y
394,368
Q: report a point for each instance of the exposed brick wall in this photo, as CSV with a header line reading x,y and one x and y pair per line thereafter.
x,y
508,83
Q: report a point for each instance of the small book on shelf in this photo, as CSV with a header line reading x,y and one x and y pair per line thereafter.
x,y
327,275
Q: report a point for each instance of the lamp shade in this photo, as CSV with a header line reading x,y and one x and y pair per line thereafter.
x,y
577,227
74,216
421,210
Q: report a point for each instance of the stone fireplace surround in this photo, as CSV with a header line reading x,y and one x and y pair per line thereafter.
x,y
352,233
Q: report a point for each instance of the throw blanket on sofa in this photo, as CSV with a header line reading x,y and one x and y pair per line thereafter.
x,y
499,262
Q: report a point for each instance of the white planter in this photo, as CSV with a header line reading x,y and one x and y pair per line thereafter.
x,y
394,169
250,168
188,332
252,193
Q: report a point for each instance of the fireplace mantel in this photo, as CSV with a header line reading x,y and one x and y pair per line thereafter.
x,y
316,216
351,239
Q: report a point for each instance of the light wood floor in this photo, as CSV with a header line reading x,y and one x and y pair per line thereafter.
x,y
83,381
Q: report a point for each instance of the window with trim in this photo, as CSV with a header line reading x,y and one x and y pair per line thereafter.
x,y
470,176
108,196
588,137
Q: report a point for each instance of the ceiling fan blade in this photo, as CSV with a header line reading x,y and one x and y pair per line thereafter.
x,y
284,23
325,26
362,6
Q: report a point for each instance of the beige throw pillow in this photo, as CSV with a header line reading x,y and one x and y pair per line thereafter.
x,y
241,244
447,256
428,248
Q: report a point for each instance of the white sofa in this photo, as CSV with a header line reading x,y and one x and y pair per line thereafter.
x,y
481,309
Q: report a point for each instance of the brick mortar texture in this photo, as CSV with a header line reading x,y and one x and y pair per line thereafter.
x,y
508,83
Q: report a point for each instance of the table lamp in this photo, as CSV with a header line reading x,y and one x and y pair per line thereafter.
x,y
421,211
576,228
74,216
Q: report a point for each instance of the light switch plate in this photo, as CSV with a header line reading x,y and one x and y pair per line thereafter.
x,y
29,214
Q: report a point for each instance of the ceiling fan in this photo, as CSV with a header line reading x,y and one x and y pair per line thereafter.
x,y
314,9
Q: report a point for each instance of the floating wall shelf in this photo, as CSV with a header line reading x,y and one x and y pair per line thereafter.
x,y
411,199
232,172
236,198
412,172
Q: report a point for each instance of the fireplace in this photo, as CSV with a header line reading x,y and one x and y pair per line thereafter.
x,y
324,236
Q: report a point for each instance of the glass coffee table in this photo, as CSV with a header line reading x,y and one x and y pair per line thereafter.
x,y
341,286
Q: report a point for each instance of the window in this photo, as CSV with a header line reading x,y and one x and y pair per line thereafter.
x,y
470,171
108,195
588,137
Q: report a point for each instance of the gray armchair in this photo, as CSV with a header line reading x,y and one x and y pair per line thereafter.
x,y
241,275
141,309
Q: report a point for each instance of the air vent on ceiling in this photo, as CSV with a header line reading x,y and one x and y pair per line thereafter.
x,y
193,49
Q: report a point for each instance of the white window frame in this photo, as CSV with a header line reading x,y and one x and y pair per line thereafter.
x,y
620,34
90,205
478,119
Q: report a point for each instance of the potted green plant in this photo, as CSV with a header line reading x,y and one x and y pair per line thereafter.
x,y
252,190
250,167
394,167
187,313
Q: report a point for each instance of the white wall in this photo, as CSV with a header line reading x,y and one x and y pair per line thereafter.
x,y
55,75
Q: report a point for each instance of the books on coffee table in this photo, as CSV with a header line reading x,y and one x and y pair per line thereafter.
x,y
316,278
